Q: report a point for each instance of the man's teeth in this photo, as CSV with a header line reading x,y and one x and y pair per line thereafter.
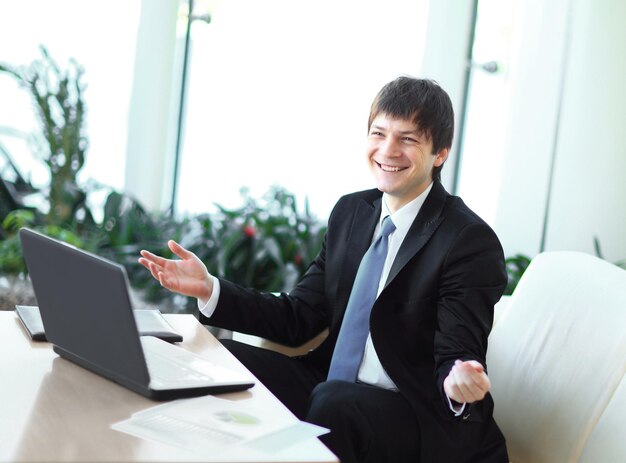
x,y
389,168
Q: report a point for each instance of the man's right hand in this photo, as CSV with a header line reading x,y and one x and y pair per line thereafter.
x,y
188,276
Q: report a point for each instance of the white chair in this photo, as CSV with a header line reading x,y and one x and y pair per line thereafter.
x,y
557,358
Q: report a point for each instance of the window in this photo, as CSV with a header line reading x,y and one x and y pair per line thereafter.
x,y
488,107
101,37
279,93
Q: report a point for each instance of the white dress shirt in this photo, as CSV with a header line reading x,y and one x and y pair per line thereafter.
x,y
371,370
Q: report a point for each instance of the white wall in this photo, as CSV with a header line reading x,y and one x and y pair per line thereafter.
x,y
536,77
589,188
570,104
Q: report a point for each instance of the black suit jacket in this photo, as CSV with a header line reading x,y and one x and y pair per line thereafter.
x,y
436,307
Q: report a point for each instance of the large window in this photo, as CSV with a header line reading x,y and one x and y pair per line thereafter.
x,y
279,93
488,108
101,37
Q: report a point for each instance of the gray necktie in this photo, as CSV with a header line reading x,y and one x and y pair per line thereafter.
x,y
355,327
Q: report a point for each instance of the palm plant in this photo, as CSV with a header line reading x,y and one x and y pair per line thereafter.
x,y
59,104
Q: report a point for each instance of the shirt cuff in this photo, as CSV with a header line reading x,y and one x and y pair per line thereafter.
x,y
208,307
456,409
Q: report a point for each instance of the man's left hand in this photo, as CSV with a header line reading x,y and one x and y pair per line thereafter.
x,y
467,382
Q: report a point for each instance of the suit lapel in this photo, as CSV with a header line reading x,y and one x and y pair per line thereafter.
x,y
427,220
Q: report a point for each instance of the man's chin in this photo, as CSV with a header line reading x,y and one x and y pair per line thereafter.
x,y
386,187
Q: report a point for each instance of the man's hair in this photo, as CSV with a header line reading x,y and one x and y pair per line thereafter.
x,y
422,102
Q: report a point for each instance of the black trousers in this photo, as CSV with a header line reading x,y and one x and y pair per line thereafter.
x,y
368,424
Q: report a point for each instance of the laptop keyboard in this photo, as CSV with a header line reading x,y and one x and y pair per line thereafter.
x,y
175,367
166,371
172,367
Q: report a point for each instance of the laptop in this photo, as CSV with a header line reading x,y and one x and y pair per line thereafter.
x,y
87,315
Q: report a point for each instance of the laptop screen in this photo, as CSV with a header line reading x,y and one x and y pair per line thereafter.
x,y
85,306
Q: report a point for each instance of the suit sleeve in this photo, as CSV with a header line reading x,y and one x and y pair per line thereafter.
x,y
291,319
473,279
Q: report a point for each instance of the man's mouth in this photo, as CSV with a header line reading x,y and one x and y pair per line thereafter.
x,y
388,168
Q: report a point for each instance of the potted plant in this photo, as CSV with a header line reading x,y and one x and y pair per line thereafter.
x,y
62,143
267,243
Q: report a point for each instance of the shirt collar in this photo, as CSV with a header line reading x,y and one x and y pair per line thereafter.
x,y
404,217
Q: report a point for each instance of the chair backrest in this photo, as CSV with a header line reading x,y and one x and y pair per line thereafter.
x,y
557,358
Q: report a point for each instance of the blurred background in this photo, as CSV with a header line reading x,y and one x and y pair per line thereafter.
x,y
187,102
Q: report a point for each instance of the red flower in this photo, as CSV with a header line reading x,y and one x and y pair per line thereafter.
x,y
297,259
249,231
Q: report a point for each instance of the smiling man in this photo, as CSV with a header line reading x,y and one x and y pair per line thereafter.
x,y
405,282
401,159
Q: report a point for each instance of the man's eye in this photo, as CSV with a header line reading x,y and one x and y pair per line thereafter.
x,y
409,140
376,134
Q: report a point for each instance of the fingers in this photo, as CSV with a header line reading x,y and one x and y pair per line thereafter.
x,y
476,365
179,250
467,382
182,275
145,262
149,257
176,248
155,264
164,280
152,267
159,275
151,261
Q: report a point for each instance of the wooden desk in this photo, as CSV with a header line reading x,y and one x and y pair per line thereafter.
x,y
54,410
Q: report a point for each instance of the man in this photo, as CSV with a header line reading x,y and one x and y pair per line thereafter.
x,y
413,387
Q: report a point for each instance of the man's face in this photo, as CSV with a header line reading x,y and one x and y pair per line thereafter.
x,y
400,159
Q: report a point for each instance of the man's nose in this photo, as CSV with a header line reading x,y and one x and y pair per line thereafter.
x,y
390,147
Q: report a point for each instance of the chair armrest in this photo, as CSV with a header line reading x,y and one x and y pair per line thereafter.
x,y
290,351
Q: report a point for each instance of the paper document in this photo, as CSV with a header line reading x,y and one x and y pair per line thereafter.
x,y
210,424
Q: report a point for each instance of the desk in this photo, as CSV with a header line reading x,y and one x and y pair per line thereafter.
x,y
54,410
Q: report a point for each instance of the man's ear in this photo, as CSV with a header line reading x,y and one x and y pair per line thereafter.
x,y
441,157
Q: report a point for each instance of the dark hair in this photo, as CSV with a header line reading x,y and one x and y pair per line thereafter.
x,y
423,102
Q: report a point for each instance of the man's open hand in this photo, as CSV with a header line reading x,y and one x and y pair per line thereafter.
x,y
188,276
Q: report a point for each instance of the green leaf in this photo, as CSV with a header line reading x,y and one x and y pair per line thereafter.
x,y
17,219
